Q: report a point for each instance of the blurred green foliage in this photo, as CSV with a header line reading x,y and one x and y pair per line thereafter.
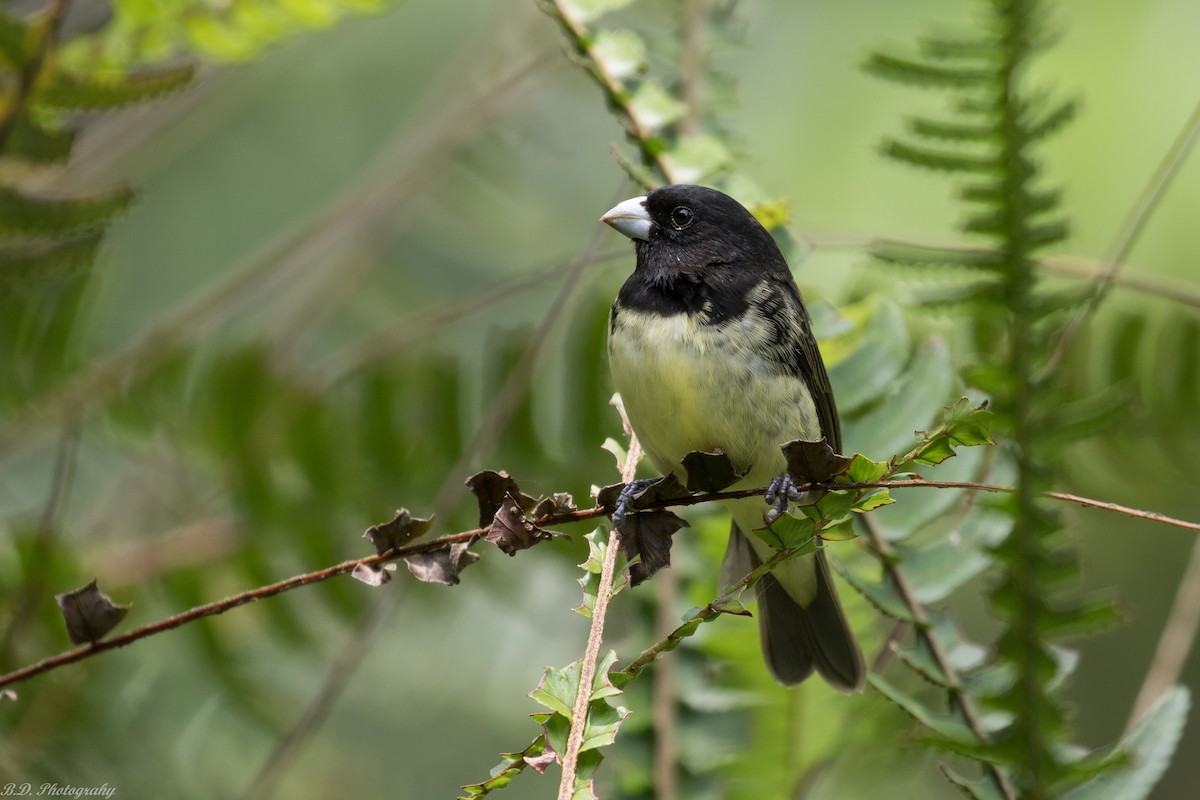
x,y
304,317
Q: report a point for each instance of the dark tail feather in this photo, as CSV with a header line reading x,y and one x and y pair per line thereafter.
x,y
796,639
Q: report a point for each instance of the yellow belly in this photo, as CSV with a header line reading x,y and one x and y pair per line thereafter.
x,y
690,386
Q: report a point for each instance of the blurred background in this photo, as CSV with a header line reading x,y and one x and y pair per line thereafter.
x,y
349,235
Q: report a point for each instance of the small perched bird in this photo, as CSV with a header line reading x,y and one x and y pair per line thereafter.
x,y
711,348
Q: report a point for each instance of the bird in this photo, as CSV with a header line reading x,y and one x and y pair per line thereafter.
x,y
711,349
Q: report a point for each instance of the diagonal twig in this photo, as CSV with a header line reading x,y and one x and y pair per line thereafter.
x,y
1175,642
1135,222
587,671
294,582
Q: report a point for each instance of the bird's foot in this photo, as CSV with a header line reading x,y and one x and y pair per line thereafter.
x,y
781,490
625,499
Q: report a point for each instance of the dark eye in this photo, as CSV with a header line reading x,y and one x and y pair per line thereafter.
x,y
681,217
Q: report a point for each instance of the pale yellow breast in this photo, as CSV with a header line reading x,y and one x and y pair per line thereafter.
x,y
690,386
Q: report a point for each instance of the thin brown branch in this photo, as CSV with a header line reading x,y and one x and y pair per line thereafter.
x,y
1068,266
229,603
1131,229
1173,290
891,565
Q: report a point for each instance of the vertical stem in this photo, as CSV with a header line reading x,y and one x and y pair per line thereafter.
x,y
663,708
1027,548
692,68
587,669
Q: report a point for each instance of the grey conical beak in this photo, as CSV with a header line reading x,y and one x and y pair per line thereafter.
x,y
630,217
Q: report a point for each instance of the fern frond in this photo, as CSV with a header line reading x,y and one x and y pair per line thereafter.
x,y
936,159
950,131
914,254
994,193
36,143
24,214
964,47
77,92
927,75
26,261
1050,122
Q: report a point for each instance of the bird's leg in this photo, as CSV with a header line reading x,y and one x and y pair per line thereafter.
x,y
626,497
781,490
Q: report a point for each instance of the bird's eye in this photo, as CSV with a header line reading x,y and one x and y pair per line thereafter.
x,y
681,217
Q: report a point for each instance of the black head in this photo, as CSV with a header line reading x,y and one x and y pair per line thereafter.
x,y
683,228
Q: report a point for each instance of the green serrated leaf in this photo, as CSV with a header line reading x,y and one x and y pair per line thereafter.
x,y
37,143
25,214
962,655
590,582
621,52
947,47
941,160
602,685
838,532
1146,750
557,689
833,507
938,568
924,385
920,74
603,721
557,730
881,350
30,262
789,531
585,773
864,470
880,595
974,788
950,131
617,449
972,430
584,11
501,775
935,452
696,157
654,107
946,726
77,92
870,503
962,425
